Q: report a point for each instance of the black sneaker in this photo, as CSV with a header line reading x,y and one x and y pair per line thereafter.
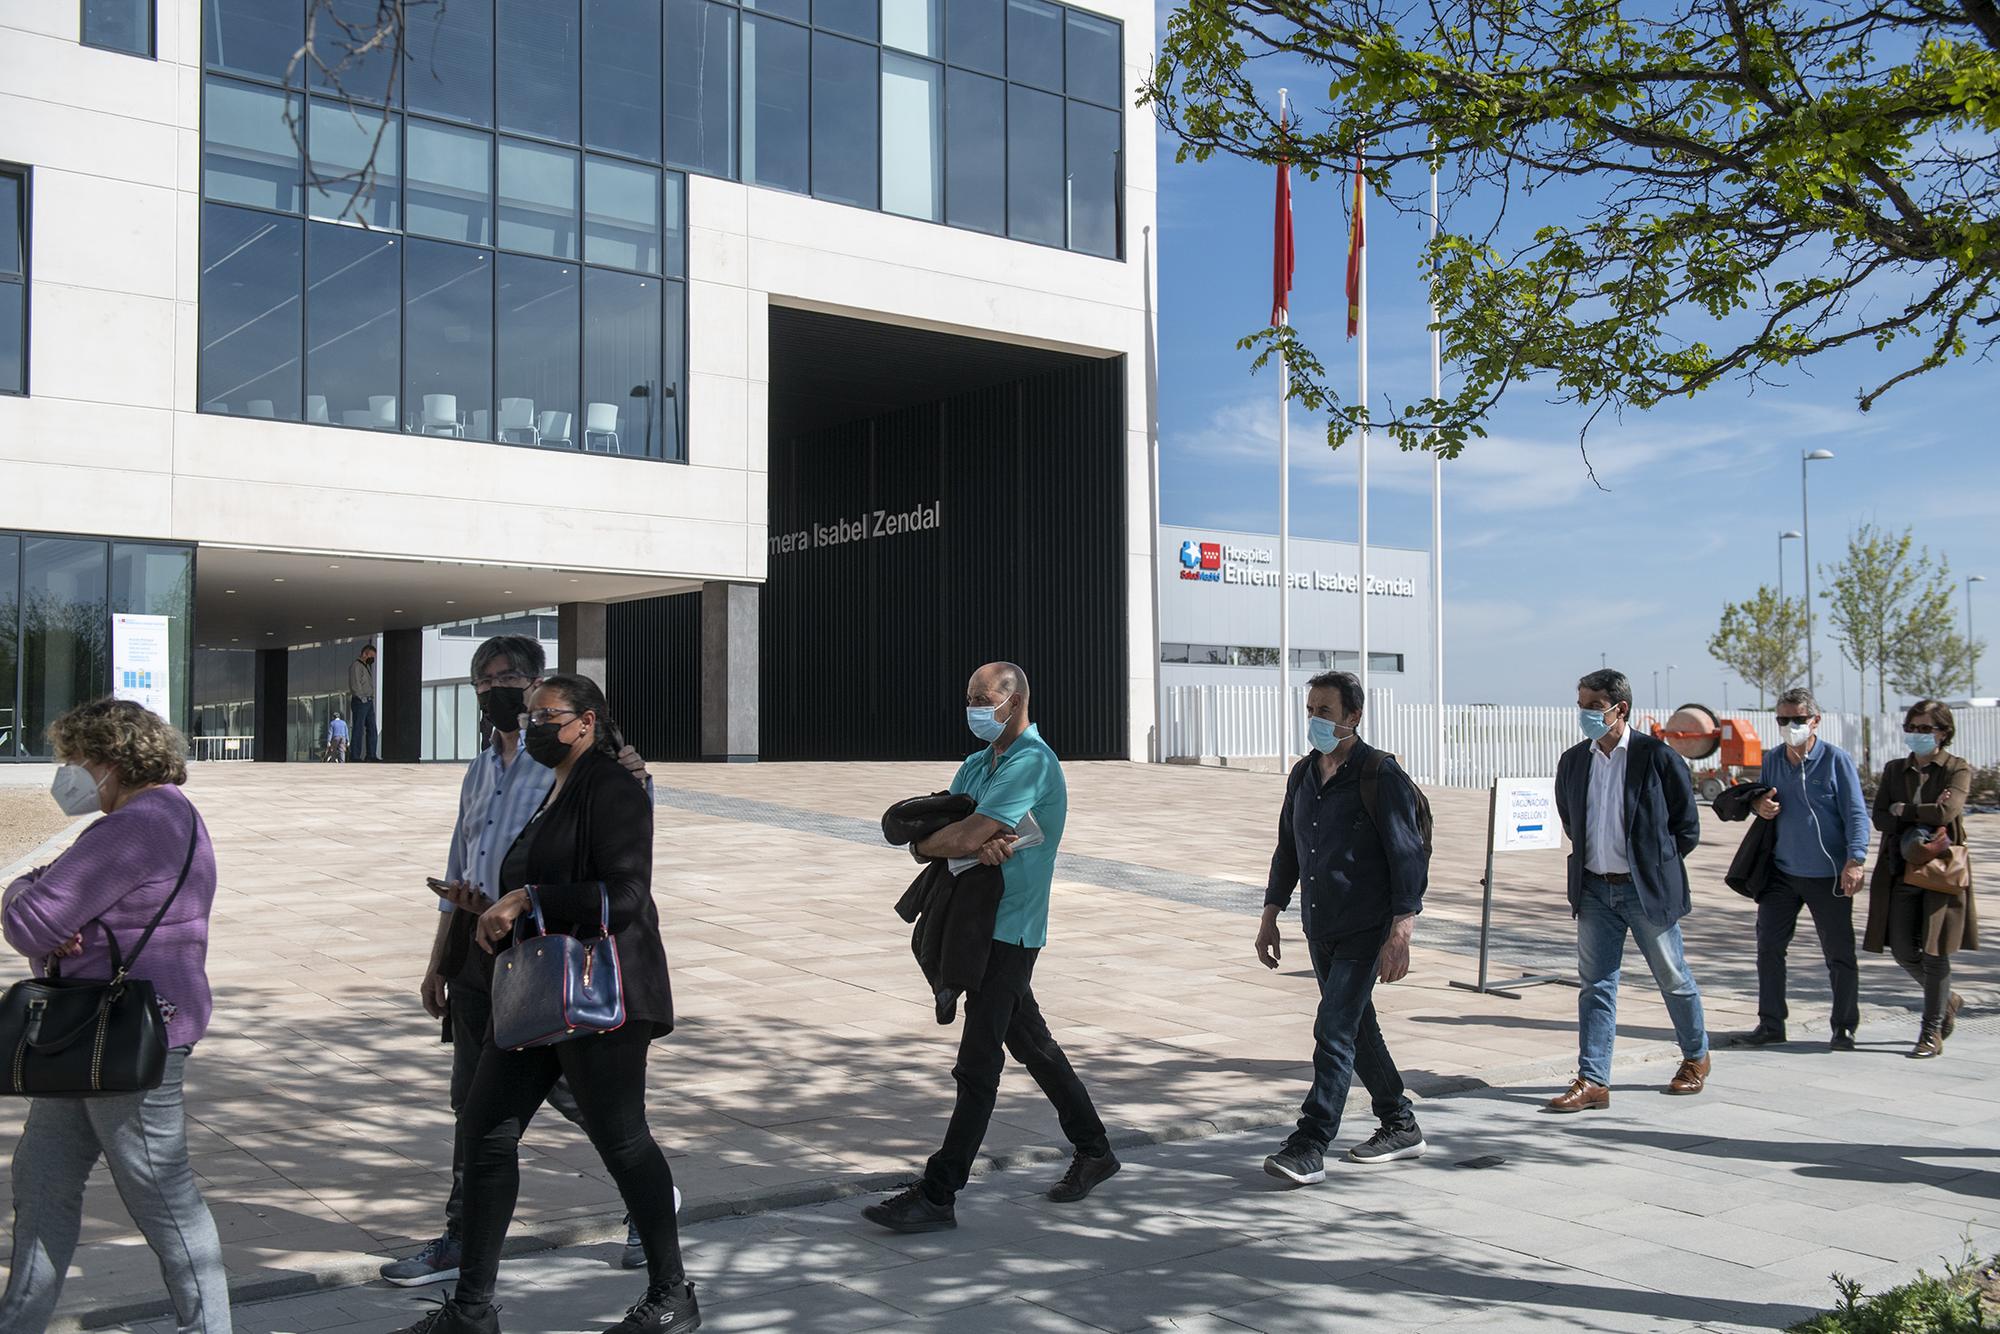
x,y
448,1317
1087,1171
670,1309
435,1263
1389,1144
1301,1162
1843,1040
1764,1035
912,1211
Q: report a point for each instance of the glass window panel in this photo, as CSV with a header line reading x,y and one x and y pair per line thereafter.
x,y
775,95
351,53
537,199
676,248
249,152
790,9
915,26
355,173
1035,43
250,275
673,393
701,86
1034,166
119,25
623,407
12,224
353,351
449,60
1093,180
538,68
427,711
535,338
845,103
253,36
912,142
10,628
468,722
450,183
159,581
1093,69
856,18
976,34
621,76
64,626
448,330
13,337
621,214
975,152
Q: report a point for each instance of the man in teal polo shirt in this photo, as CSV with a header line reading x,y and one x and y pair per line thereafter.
x,y
1018,784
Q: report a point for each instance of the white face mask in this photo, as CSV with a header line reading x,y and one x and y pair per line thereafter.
x,y
75,790
1797,734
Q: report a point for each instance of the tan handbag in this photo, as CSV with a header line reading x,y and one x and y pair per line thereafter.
x,y
1949,872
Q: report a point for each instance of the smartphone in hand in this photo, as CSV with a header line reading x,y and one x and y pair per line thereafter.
x,y
459,896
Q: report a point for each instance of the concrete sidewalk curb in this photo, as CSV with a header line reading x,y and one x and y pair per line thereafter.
x,y
600,1228
34,858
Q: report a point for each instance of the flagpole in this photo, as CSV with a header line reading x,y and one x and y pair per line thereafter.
x,y
1437,515
1361,398
1284,515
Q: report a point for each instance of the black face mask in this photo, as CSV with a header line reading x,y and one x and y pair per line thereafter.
x,y
503,707
545,744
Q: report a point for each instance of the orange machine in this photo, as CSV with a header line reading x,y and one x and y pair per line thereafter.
x,y
1696,732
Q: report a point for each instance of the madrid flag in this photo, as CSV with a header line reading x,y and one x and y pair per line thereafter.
x,y
1281,243
1355,240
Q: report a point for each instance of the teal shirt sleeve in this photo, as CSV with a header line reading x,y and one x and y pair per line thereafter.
x,y
1016,788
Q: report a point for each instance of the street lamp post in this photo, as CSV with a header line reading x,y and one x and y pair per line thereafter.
x,y
1789,535
1805,539
1656,690
1971,644
1670,681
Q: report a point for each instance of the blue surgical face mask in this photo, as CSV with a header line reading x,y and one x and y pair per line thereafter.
x,y
1326,735
1593,723
980,718
1920,743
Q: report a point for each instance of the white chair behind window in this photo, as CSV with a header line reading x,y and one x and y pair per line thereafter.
x,y
554,427
382,411
601,425
261,407
479,416
316,408
517,422
441,415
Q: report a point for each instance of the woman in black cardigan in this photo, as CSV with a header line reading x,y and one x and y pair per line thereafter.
x,y
595,828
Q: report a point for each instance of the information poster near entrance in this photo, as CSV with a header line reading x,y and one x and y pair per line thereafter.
x,y
142,661
1520,817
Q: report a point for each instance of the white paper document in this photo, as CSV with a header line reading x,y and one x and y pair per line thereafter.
x,y
1027,835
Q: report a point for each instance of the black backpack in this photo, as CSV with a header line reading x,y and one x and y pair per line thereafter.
x,y
1371,785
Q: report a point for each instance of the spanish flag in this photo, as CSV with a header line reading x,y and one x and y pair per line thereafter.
x,y
1355,240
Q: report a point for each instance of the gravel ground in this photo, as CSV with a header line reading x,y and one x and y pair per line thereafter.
x,y
27,817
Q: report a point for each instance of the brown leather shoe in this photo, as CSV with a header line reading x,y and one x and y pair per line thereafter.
x,y
1583,1096
1691,1077
1930,1042
1951,1009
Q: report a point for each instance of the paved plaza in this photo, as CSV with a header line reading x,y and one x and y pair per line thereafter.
x,y
807,1066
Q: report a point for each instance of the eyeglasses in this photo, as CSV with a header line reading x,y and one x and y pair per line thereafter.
x,y
547,715
1921,729
514,679
1783,721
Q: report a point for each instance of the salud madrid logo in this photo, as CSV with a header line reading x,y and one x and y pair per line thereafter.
x,y
1201,560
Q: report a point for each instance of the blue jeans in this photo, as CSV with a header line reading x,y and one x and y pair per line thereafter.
x,y
366,744
1347,1041
1605,915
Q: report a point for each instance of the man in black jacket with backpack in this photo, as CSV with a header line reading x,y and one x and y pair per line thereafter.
x,y
1355,832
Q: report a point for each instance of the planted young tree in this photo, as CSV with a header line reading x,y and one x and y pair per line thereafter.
x,y
1873,592
1727,187
1929,658
1763,641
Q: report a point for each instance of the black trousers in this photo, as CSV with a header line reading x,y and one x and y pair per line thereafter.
x,y
1932,972
608,1076
471,1015
1833,921
1002,1017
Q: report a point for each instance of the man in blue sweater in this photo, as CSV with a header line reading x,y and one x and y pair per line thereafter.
x,y
1821,847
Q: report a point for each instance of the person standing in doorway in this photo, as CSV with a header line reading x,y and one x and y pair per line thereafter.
x,y
1018,783
1627,805
1351,832
361,701
1817,857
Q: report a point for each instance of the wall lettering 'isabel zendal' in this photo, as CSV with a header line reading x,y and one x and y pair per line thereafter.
x,y
868,525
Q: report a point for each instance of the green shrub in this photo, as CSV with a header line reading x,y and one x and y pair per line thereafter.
x,y
1929,1304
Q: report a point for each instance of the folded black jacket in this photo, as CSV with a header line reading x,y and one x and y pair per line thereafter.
x,y
1751,868
952,916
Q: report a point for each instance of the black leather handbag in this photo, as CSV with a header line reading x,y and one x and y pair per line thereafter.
x,y
68,1037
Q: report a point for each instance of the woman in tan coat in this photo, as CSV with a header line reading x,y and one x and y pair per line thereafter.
x,y
1922,927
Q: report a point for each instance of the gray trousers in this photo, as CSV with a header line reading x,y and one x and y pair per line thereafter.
x,y
143,1140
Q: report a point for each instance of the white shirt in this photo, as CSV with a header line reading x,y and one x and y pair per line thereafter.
x,y
1604,841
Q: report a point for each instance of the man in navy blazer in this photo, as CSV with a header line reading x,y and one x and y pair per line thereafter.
x,y
1627,804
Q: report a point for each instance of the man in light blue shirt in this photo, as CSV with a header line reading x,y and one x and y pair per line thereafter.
x,y
1821,848
1018,785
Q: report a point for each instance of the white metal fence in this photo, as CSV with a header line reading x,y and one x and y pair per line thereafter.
x,y
1484,742
226,747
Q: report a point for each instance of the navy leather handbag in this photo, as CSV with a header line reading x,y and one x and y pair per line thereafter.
x,y
551,988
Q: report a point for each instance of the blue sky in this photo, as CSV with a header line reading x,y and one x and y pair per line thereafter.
x,y
1543,571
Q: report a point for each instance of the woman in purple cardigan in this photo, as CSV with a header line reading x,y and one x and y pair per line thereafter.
x,y
120,759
